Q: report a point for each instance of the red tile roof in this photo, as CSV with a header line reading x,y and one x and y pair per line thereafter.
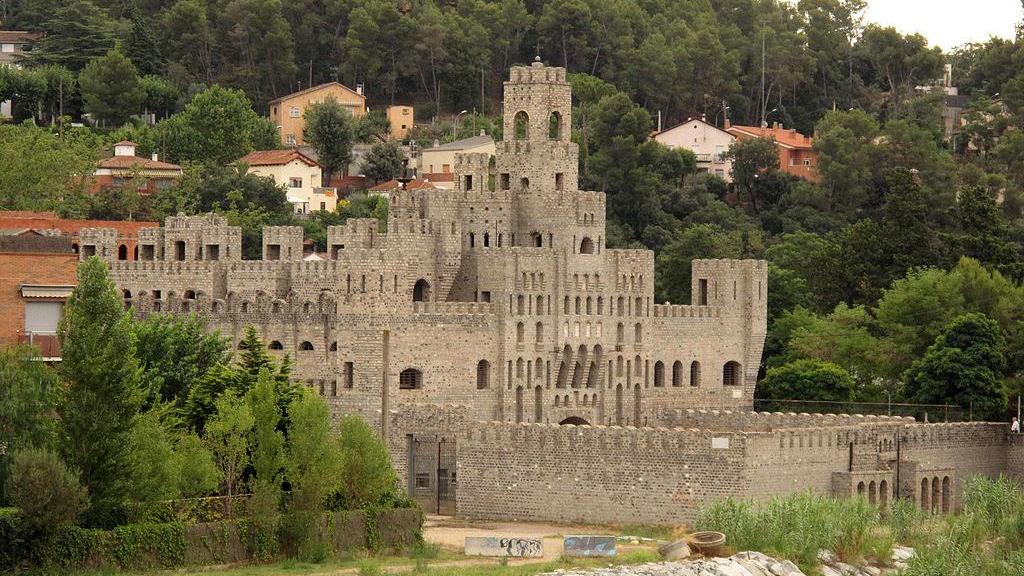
x,y
50,221
387,186
417,184
785,137
275,158
137,162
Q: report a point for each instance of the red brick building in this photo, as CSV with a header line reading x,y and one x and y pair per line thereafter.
x,y
127,232
37,274
796,151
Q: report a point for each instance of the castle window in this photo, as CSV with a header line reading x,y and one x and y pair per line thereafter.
x,y
273,252
472,240
275,345
638,333
695,373
520,305
467,182
659,374
731,373
349,374
521,125
565,308
333,347
702,292
677,373
559,181
520,332
306,346
506,181
537,239
410,379
487,239
555,126
179,250
122,252
421,291
586,246
620,334
483,375
213,251
524,184
540,332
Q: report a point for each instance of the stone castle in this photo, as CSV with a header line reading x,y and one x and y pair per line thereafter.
x,y
489,315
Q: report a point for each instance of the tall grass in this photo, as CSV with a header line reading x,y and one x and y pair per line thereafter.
x,y
799,525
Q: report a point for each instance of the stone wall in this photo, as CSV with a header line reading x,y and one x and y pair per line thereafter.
x,y
596,474
1015,457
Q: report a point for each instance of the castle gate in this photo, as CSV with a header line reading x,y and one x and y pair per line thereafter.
x,y
432,475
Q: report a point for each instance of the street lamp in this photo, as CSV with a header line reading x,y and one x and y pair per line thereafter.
x,y
455,123
764,123
725,109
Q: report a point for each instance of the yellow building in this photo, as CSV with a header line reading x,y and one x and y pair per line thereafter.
x,y
286,112
299,173
401,120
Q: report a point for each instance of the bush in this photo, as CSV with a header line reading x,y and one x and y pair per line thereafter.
x,y
48,494
367,474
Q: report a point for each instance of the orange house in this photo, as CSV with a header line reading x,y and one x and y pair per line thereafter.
x,y
796,151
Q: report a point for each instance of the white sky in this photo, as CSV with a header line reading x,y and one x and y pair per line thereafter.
x,y
948,23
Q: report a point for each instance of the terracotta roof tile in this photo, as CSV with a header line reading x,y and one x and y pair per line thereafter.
x,y
136,161
48,221
784,136
18,36
275,158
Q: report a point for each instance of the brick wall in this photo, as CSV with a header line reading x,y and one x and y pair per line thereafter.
x,y
28,268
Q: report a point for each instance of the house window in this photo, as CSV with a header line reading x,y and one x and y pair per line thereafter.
x,y
290,139
446,168
294,112
323,206
42,317
410,379
8,48
295,182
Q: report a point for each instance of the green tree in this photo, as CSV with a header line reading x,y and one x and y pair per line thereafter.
x,y
673,264
228,435
983,231
197,473
329,130
898,62
77,32
47,493
110,88
174,353
28,397
267,462
963,367
372,127
845,146
367,474
161,96
38,167
383,162
99,410
217,127
753,161
807,379
915,310
154,466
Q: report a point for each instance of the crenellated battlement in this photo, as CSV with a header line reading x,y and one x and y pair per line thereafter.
x,y
685,311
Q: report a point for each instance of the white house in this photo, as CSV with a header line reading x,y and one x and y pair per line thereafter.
x,y
299,173
707,142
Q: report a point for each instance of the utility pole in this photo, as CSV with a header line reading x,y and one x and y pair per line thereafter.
x,y
310,73
764,105
482,109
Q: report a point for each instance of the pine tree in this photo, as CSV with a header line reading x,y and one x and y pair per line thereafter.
x,y
111,89
103,397
267,462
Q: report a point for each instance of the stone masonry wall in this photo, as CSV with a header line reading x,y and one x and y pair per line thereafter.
x,y
596,474
1015,457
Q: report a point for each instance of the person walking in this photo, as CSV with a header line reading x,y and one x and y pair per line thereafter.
x,y
1015,426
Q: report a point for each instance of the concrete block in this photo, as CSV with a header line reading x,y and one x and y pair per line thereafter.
x,y
585,546
509,547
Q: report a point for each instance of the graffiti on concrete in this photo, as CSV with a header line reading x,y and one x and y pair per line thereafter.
x,y
511,547
585,546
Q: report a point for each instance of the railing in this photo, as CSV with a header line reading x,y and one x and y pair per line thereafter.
x,y
46,342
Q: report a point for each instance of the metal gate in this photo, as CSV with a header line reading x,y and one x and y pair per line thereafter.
x,y
432,473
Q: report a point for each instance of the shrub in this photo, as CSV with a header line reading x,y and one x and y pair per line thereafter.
x,y
367,476
45,490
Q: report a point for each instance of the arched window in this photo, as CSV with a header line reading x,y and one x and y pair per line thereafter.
x,y
555,126
586,245
306,345
659,374
694,373
410,379
483,375
519,332
275,345
190,295
521,125
620,333
638,333
677,373
537,239
731,373
487,239
122,252
540,332
520,305
421,291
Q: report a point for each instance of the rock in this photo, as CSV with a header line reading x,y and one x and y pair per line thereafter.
x,y
826,556
902,553
677,550
871,571
827,570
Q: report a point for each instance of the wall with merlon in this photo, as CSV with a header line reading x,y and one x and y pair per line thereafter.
x,y
598,474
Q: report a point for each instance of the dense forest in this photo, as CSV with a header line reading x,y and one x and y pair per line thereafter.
x,y
895,277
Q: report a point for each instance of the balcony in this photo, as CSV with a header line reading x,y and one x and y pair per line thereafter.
x,y
46,342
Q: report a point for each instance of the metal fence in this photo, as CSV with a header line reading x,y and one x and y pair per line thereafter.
x,y
921,412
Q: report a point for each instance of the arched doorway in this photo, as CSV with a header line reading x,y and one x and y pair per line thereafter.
x,y
574,421
421,291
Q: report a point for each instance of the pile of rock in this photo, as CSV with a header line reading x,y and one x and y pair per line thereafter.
x,y
831,566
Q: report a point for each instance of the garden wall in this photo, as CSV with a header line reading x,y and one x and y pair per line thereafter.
x,y
1015,457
